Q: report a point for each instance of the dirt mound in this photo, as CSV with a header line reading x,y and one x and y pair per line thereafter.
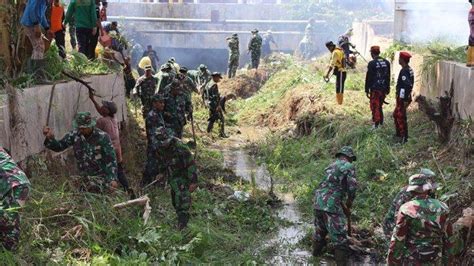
x,y
245,85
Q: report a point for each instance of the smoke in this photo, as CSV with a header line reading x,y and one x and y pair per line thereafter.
x,y
426,21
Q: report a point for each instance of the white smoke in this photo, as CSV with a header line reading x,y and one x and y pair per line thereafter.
x,y
428,20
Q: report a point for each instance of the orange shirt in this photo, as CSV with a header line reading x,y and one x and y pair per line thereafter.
x,y
57,14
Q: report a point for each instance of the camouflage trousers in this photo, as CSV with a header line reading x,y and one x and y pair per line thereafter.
x,y
10,217
255,59
153,167
332,225
180,195
233,65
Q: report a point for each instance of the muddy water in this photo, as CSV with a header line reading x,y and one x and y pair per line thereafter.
x,y
284,243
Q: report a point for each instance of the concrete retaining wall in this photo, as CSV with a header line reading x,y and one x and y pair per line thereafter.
x,y
372,32
22,133
436,84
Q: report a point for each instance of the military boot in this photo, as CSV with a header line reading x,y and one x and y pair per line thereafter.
x,y
341,256
209,127
221,132
318,247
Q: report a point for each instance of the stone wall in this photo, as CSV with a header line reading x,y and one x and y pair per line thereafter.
x,y
22,132
372,32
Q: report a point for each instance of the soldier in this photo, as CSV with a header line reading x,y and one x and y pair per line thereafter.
x,y
255,48
405,82
128,76
177,107
402,197
174,65
183,177
154,121
215,109
338,68
234,55
145,89
203,76
267,40
93,150
377,84
188,84
165,77
422,235
14,190
338,185
153,55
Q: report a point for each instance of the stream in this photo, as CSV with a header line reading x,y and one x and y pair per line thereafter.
x,y
285,240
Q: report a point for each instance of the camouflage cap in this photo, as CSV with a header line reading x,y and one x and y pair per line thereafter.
x,y
254,31
235,35
430,175
419,183
84,120
347,151
183,69
172,59
158,97
111,106
202,66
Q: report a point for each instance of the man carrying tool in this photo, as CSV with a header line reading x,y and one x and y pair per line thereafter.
x,y
14,190
215,109
145,88
203,76
423,234
377,84
255,48
93,150
154,121
109,125
184,176
338,68
402,197
345,44
405,82
234,55
332,204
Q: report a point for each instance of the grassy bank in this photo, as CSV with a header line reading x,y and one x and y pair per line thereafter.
x,y
309,127
61,225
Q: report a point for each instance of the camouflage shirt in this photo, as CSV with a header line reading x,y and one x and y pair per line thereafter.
x,y
164,80
153,122
146,88
94,154
402,197
422,235
212,94
255,44
182,163
339,183
203,78
11,175
176,109
233,44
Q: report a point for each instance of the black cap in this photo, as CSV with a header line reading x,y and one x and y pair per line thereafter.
x,y
329,44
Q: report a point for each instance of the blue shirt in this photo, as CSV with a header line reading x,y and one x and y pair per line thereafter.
x,y
35,13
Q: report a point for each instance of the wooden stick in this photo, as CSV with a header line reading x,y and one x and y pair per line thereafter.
x,y
50,104
91,90
140,202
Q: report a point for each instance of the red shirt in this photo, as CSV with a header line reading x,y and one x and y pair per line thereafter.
x,y
57,15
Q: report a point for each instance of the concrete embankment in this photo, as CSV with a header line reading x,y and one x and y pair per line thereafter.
x,y
23,114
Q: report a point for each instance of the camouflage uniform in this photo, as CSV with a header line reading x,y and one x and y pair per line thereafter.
x,y
145,88
203,76
154,123
176,109
165,78
338,184
255,48
234,55
183,173
213,97
95,155
422,235
14,188
402,197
